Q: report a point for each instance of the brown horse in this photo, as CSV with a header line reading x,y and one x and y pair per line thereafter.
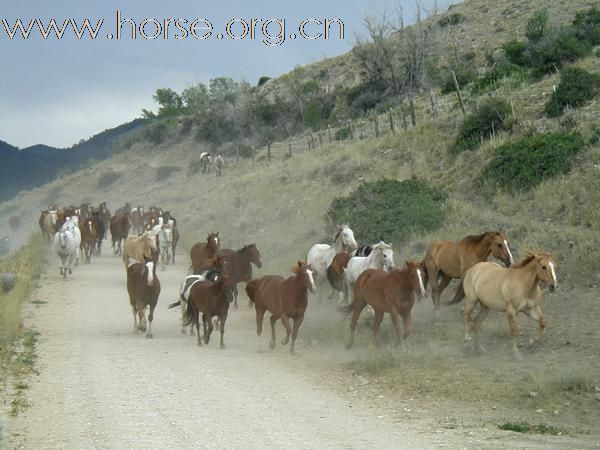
x,y
201,251
513,290
210,299
143,288
237,266
283,298
88,238
445,260
174,241
119,230
387,292
335,272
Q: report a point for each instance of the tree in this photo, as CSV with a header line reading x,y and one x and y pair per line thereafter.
x,y
537,27
170,103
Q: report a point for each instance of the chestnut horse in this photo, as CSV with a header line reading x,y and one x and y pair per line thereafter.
x,y
387,292
236,265
335,273
88,238
513,290
201,251
445,260
283,298
210,299
143,288
119,230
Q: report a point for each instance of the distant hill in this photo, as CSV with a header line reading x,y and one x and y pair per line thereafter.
x,y
25,169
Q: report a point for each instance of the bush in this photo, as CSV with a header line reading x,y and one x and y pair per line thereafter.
x,y
488,118
164,172
108,178
576,87
390,209
551,52
342,134
515,52
587,25
156,132
452,19
465,74
523,164
495,74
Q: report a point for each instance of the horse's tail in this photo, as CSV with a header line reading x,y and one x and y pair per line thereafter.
x,y
191,314
251,289
423,268
458,295
173,305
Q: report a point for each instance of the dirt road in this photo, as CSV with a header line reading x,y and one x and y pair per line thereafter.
x,y
101,386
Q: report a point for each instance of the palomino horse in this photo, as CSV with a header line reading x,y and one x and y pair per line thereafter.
x,y
283,298
143,288
139,248
64,244
165,241
210,299
445,260
88,238
387,292
320,255
381,257
513,290
237,267
201,251
119,230
185,288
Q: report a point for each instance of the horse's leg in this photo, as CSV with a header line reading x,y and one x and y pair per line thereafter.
x,y
297,322
260,315
443,283
406,322
235,296
222,319
479,318
512,324
273,319
208,327
135,325
357,308
536,314
376,325
435,295
150,318
286,323
468,309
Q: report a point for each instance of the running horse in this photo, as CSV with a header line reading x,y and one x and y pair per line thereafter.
x,y
119,230
143,288
284,298
512,290
387,292
445,260
88,238
201,251
236,265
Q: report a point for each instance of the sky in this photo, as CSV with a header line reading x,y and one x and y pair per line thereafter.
x,y
59,91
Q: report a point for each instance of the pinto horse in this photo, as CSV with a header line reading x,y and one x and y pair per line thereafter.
x,y
119,230
88,238
143,288
380,257
201,251
236,265
387,292
284,298
513,290
335,272
445,260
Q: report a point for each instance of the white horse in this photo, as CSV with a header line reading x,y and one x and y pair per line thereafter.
x,y
320,255
165,240
219,162
72,225
205,160
381,257
64,244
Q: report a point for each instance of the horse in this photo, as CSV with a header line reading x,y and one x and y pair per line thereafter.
x,y
320,255
387,292
49,219
174,242
445,260
72,224
335,272
237,267
185,288
514,289
64,245
105,215
100,230
362,250
139,248
143,288
165,241
88,238
124,210
211,300
205,160
381,257
201,251
137,219
219,162
119,230
284,298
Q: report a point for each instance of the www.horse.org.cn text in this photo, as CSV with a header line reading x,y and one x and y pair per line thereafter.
x,y
272,32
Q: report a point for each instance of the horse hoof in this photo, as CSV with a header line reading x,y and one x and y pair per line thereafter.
x,y
517,356
284,341
149,336
222,346
271,345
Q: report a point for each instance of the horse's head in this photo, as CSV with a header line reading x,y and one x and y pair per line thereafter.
x,y
500,249
213,240
418,277
346,234
150,269
253,255
305,270
546,269
387,255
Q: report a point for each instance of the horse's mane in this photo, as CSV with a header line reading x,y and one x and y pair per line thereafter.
x,y
530,256
476,239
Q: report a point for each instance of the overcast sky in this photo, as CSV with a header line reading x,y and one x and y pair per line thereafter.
x,y
57,92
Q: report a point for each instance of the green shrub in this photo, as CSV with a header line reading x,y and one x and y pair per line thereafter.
x,y
515,52
452,19
390,209
576,87
108,178
523,164
551,52
164,172
495,74
342,134
488,118
587,25
465,74
156,132
537,27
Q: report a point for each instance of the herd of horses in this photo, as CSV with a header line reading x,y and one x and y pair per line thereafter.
x,y
364,276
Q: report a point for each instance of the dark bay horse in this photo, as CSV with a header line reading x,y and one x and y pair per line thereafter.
x,y
88,238
143,288
387,292
100,230
284,298
236,265
119,230
201,251
445,260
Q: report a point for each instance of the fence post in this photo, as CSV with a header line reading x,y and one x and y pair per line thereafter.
x,y
413,116
459,95
376,120
237,155
433,107
404,124
329,133
391,121
350,129
269,152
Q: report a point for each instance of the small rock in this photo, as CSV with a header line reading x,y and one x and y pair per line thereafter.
x,y
539,411
533,394
362,380
597,397
555,412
